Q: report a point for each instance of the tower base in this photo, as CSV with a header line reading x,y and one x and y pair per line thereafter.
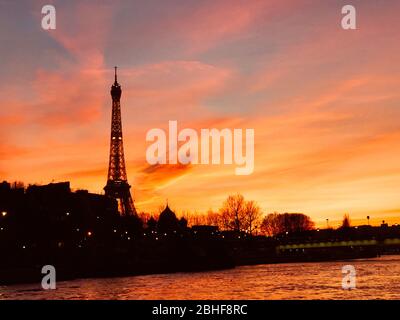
x,y
120,190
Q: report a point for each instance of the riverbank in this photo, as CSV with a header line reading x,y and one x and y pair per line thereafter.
x,y
170,257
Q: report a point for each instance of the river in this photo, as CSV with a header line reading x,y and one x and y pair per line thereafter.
x,y
375,279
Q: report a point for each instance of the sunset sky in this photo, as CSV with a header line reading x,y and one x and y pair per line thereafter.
x,y
324,102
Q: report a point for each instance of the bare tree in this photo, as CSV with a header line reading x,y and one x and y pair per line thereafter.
x,y
213,218
346,223
144,216
238,214
194,218
233,213
252,216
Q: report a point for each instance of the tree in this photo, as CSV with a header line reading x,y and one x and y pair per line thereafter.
x,y
238,214
144,216
276,223
252,216
213,218
271,224
346,223
297,222
233,213
195,218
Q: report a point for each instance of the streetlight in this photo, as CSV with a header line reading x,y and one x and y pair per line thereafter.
x,y
4,213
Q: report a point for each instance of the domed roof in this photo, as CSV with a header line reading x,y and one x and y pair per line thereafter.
x,y
167,221
167,212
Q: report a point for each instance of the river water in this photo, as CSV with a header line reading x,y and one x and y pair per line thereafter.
x,y
375,279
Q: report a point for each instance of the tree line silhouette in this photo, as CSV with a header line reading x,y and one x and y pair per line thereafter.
x,y
239,215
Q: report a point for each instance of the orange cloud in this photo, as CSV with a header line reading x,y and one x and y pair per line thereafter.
x,y
158,176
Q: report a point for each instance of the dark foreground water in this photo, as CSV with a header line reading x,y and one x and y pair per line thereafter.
x,y
376,279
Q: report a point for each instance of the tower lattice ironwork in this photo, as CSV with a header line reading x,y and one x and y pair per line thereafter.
x,y
117,182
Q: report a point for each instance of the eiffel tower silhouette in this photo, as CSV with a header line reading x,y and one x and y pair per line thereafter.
x,y
117,186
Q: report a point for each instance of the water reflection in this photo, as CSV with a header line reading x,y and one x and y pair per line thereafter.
x,y
376,279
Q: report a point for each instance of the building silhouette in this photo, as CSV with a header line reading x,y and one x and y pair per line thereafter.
x,y
168,222
117,186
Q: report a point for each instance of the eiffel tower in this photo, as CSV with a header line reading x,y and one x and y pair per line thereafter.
x,y
117,182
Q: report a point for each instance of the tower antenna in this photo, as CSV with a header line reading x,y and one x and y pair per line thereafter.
x,y
115,74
